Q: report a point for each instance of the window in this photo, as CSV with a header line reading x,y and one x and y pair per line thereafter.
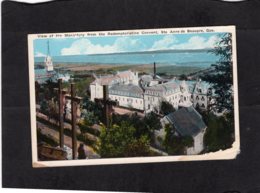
x,y
197,98
202,98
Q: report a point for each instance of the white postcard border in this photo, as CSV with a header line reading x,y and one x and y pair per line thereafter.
x,y
230,153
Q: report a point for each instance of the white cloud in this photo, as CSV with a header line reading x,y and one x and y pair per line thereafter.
x,y
164,43
198,42
39,54
127,44
85,46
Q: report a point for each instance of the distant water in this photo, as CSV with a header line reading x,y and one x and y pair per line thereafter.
x,y
189,58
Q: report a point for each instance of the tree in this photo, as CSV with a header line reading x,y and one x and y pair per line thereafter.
x,y
119,141
89,118
219,132
152,122
53,112
222,77
183,77
138,147
144,126
44,106
92,110
48,88
166,108
37,91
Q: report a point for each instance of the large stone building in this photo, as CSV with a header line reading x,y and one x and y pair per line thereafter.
x,y
146,92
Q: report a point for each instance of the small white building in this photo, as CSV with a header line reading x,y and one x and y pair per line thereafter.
x,y
186,121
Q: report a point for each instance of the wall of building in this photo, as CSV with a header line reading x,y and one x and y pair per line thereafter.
x,y
198,144
200,100
128,102
174,99
96,91
152,102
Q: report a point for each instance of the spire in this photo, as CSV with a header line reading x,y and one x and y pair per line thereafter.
x,y
48,59
48,48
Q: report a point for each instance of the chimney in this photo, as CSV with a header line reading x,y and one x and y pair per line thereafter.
x,y
154,70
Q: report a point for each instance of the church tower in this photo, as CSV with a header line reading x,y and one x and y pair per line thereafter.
x,y
185,98
48,60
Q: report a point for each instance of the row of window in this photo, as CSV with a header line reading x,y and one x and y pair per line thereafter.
x,y
198,98
126,99
200,105
152,93
123,93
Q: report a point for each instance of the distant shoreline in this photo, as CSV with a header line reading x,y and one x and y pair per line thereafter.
x,y
173,70
139,52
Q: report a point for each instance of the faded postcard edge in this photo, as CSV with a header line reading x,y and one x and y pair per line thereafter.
x,y
230,153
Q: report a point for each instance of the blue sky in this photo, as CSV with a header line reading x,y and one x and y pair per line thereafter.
x,y
117,44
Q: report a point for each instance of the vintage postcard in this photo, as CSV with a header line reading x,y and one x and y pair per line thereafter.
x,y
133,96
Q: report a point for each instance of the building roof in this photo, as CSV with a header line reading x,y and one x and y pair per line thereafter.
x,y
146,78
187,121
164,88
201,87
129,90
107,80
124,74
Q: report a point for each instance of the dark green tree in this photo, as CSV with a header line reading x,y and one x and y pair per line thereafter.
x,y
37,91
219,133
183,77
48,88
166,108
44,106
144,126
152,121
119,141
222,78
92,110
